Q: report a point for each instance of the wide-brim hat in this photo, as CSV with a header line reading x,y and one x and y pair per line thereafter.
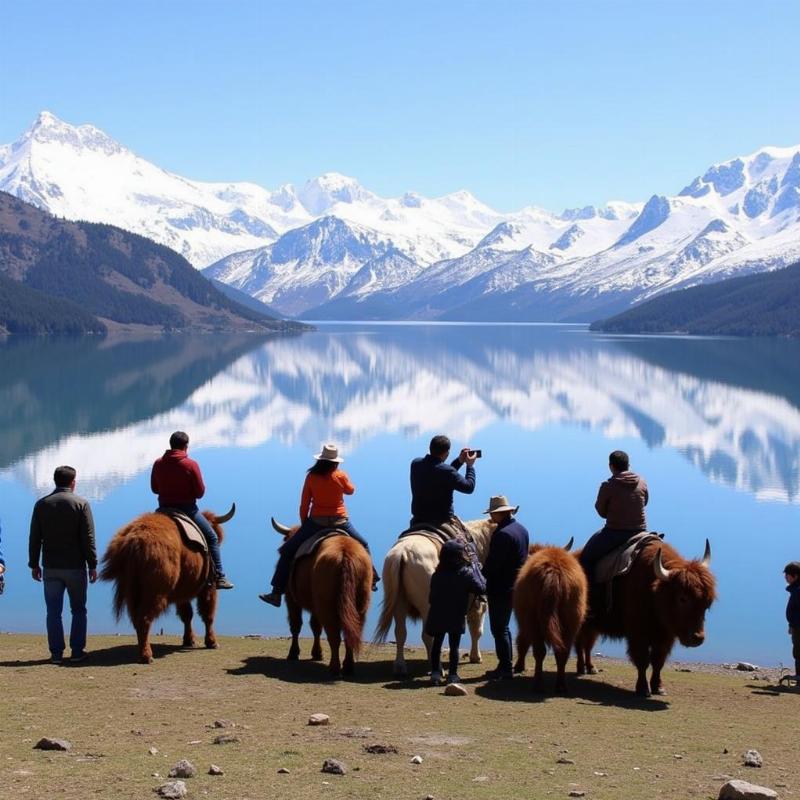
x,y
500,503
329,452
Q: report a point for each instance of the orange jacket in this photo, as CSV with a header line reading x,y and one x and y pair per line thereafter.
x,y
323,495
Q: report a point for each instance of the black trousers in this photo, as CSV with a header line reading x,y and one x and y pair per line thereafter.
x,y
454,638
499,619
796,649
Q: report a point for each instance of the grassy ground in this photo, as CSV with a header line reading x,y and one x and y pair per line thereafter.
x,y
500,741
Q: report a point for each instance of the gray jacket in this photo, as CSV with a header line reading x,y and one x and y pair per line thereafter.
x,y
62,530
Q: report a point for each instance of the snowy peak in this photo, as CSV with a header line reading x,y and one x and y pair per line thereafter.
x,y
320,194
49,129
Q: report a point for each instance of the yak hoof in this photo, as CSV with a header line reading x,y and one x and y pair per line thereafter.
x,y
643,691
591,671
145,659
400,670
660,690
211,644
518,668
316,656
188,643
476,659
294,655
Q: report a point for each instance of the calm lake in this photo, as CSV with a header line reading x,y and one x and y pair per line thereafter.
x,y
714,426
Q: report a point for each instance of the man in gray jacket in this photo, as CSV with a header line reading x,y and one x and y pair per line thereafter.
x,y
62,532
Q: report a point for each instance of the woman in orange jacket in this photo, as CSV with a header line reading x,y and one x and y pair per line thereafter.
x,y
321,506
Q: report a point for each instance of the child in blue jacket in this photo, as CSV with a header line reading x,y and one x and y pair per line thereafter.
x,y
792,574
457,577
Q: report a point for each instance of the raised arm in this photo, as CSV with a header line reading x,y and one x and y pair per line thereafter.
x,y
343,479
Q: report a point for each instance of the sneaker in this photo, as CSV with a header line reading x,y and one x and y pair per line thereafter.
x,y
56,658
223,583
453,677
436,678
273,598
81,655
499,674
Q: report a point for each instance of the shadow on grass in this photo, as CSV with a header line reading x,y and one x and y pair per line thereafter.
x,y
117,656
773,690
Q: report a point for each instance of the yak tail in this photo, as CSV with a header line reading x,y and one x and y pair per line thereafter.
x,y
552,590
392,572
118,567
352,596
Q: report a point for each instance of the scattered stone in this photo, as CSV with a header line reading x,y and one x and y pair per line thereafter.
x,y
283,771
172,789
319,719
153,751
599,774
480,779
334,767
563,760
677,755
725,751
183,769
215,770
356,733
577,793
752,758
195,741
52,744
380,749
746,666
416,760
226,738
742,790
224,723
429,797
455,690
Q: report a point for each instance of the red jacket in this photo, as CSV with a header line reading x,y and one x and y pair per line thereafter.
x,y
176,479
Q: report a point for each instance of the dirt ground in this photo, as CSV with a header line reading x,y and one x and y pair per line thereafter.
x,y
499,741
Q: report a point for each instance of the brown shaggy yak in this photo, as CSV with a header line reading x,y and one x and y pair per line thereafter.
x,y
550,596
335,585
664,597
152,567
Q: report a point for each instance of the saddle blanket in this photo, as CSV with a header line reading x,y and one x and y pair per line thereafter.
x,y
313,542
619,561
189,531
440,532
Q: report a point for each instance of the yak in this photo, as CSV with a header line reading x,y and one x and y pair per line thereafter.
x,y
152,567
334,583
662,598
550,597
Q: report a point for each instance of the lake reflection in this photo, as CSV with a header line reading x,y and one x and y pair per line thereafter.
x,y
713,424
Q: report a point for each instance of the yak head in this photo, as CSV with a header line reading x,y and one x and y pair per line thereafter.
x,y
684,592
284,530
217,522
535,548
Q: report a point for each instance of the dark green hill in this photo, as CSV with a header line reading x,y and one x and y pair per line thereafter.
x,y
119,280
766,304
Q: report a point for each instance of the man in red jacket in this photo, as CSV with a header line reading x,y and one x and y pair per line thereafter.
x,y
177,481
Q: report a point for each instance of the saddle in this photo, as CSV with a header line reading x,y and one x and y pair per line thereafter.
x,y
310,545
438,532
190,533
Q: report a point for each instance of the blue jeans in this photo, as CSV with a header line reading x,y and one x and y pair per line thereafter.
x,y
289,549
601,544
73,582
499,619
208,531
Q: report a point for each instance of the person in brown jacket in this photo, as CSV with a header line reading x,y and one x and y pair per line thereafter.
x,y
620,501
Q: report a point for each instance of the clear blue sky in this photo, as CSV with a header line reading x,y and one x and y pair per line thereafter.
x,y
555,104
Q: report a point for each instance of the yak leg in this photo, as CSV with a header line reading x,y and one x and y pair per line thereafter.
x,y
562,655
207,608
349,662
658,655
400,634
639,653
185,613
295,614
316,648
143,637
475,623
334,642
539,652
522,650
583,647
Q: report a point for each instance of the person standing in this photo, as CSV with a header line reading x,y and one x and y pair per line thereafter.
x,y
620,501
178,482
508,551
792,574
62,533
2,564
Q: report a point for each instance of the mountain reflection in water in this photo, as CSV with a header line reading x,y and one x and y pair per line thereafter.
x,y
730,406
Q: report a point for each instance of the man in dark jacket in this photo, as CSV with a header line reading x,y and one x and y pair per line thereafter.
x,y
178,482
433,482
508,551
620,501
62,532
792,574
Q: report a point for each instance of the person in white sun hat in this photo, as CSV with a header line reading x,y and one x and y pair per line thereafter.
x,y
321,506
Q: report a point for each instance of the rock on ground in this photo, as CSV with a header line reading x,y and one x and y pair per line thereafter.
x,y
183,769
742,790
319,719
746,666
380,749
172,790
226,738
454,690
752,758
46,743
416,760
334,767
215,770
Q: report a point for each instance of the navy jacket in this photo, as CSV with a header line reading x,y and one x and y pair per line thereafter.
x,y
508,551
451,587
432,485
793,606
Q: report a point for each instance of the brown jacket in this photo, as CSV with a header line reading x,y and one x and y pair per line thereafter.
x,y
621,501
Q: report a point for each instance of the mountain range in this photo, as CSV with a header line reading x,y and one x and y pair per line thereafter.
x,y
332,249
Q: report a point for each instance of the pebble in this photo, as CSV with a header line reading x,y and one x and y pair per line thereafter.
x,y
746,666
319,719
416,760
455,690
333,767
226,738
599,774
224,723
752,758
577,793
172,789
153,751
380,749
563,760
283,771
183,769
47,743
215,770
742,790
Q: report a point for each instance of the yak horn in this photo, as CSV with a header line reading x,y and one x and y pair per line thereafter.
x,y
568,545
282,529
707,554
226,517
659,568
